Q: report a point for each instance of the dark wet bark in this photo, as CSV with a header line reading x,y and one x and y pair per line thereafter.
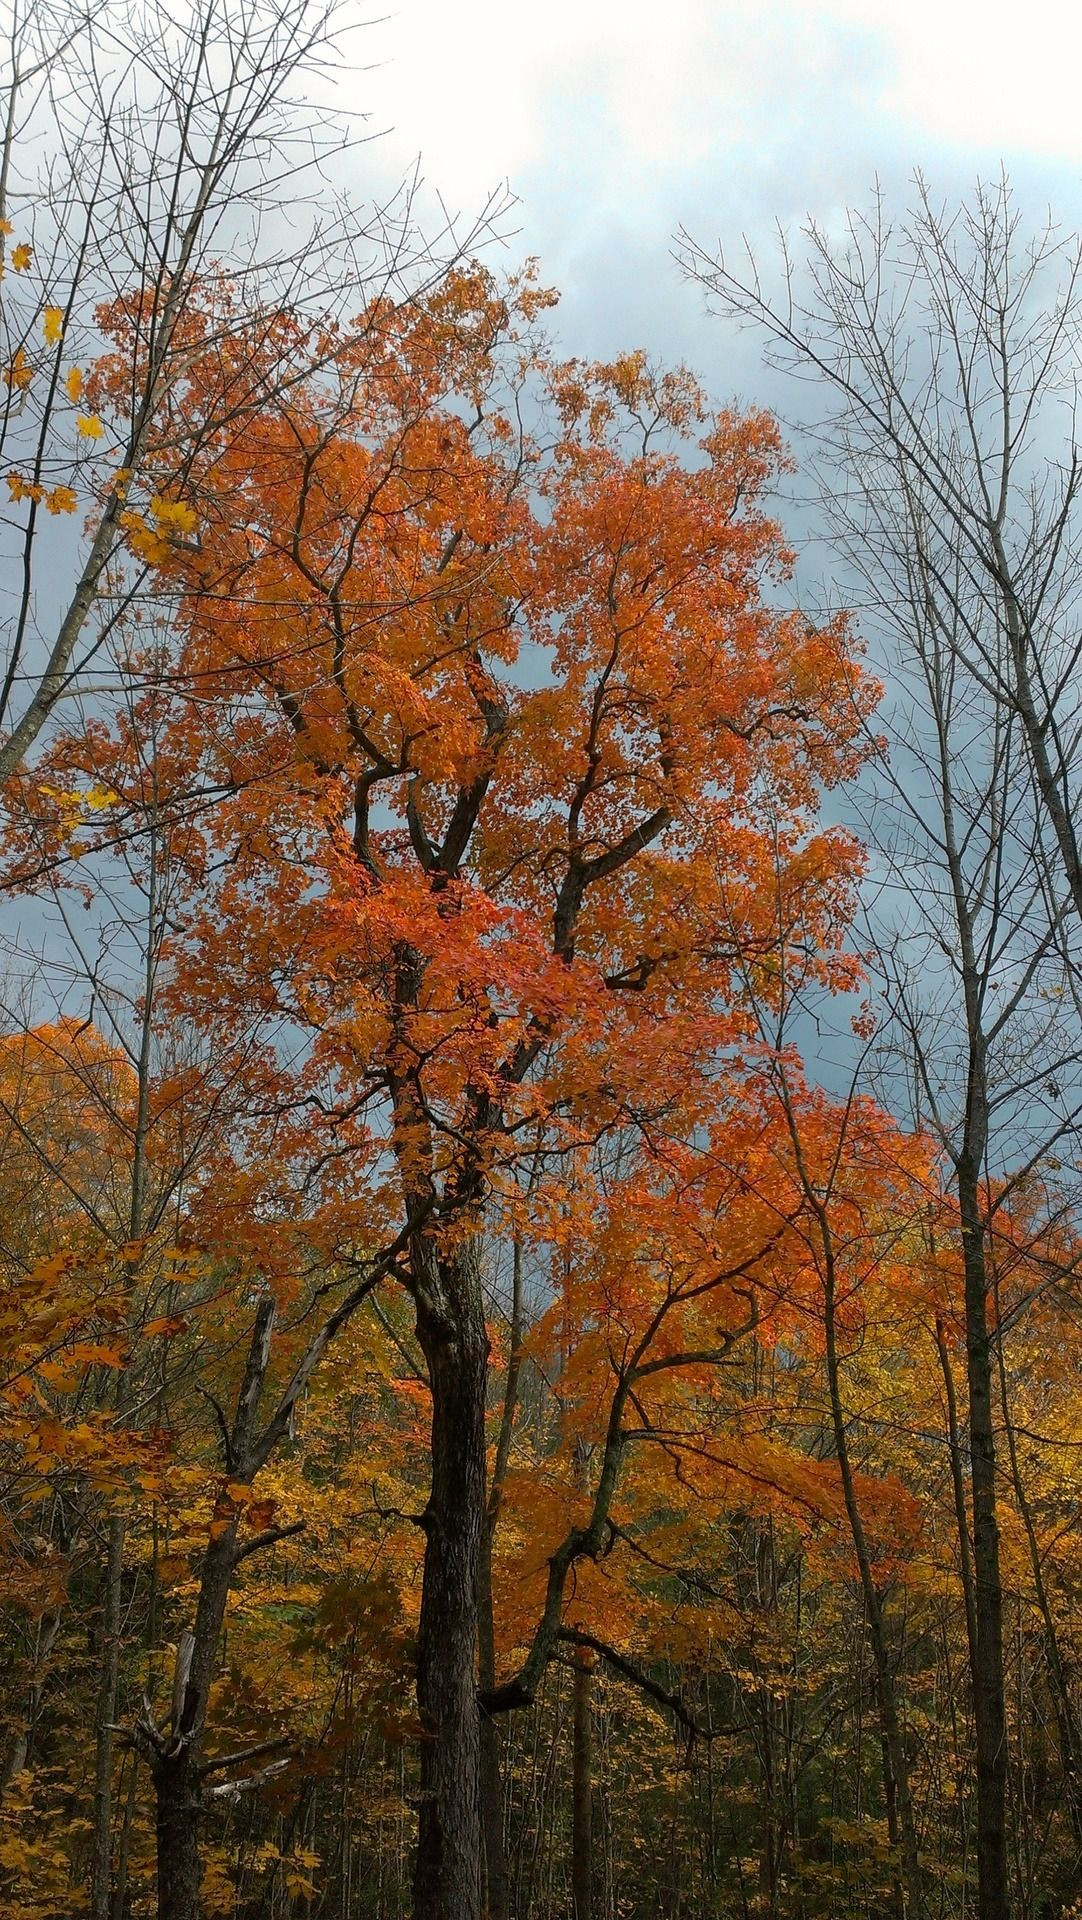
x,y
451,1332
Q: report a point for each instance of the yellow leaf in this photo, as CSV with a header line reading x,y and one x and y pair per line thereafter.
x,y
20,372
20,258
89,426
173,516
68,800
6,227
97,799
53,324
21,489
74,384
151,546
59,499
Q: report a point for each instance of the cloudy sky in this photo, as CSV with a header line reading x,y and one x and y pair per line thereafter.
x,y
616,121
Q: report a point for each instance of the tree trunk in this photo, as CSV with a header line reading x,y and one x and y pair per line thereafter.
x,y
965,1557
497,1882
101,1878
496,1878
176,1762
495,1856
582,1790
120,1890
108,1677
176,1820
451,1332
177,1779
989,1707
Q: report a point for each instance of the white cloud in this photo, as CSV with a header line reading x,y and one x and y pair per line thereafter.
x,y
617,120
620,89
986,76
612,93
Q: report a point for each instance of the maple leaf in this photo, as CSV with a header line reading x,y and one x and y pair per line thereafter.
x,y
89,426
165,1326
19,372
53,325
20,256
22,489
172,516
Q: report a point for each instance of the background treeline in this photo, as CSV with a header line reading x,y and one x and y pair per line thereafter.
x,y
716,1745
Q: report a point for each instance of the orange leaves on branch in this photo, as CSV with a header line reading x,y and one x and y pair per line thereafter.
x,y
517,708
516,781
164,1327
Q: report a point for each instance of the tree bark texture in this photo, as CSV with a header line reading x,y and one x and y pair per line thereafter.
x,y
989,1706
452,1335
177,1779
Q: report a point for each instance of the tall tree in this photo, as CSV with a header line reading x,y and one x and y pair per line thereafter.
x,y
499,719
941,348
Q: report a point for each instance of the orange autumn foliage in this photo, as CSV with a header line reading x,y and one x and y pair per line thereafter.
x,y
511,697
491,773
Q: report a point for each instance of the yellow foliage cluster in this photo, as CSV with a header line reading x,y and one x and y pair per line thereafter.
x,y
154,535
57,499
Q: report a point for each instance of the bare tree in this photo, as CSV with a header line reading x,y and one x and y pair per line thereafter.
x,y
944,353
946,349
